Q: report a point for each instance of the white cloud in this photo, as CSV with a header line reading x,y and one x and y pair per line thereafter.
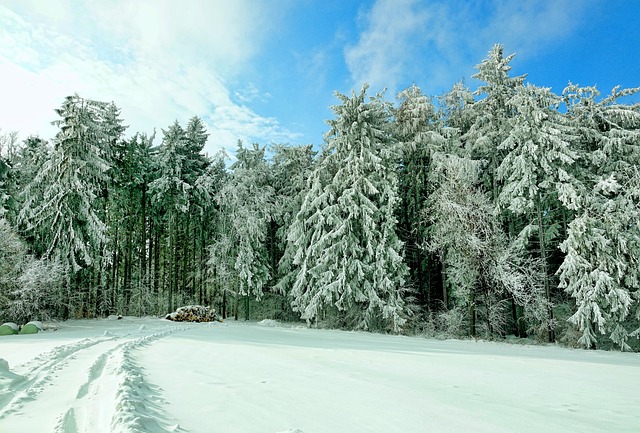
x,y
386,45
439,43
157,60
251,93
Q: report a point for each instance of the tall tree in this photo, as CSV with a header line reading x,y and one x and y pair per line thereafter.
x,y
348,254
481,264
418,131
170,194
491,125
535,173
601,270
70,182
291,169
248,202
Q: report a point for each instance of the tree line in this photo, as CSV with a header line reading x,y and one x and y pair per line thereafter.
x,y
508,210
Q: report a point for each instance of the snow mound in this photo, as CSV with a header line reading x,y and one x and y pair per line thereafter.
x,y
194,313
292,430
269,322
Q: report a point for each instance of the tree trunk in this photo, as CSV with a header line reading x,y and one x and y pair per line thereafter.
x,y
545,269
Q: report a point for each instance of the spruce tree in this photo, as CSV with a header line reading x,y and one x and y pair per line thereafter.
x,y
535,174
63,196
247,201
419,133
601,269
348,254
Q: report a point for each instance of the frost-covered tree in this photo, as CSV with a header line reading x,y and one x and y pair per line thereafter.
x,y
170,194
480,263
492,113
29,287
247,201
535,173
292,166
27,163
5,169
348,255
205,216
456,108
601,268
8,174
63,196
418,131
12,255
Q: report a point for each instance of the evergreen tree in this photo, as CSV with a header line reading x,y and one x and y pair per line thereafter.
x,y
348,255
601,270
291,169
538,158
492,113
170,193
70,182
418,130
457,109
246,201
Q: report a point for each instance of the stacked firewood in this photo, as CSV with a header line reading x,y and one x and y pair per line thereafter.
x,y
194,313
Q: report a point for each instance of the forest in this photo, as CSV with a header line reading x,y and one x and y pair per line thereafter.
x,y
501,212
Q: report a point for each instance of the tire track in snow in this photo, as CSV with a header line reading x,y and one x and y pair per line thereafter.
x,y
37,374
116,396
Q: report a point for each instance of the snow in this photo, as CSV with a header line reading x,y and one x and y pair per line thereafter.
x,y
153,375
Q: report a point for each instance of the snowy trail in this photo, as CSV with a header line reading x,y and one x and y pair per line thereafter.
x,y
91,385
153,376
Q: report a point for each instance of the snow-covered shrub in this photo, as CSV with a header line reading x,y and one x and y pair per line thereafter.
x,y
453,322
12,253
29,288
39,292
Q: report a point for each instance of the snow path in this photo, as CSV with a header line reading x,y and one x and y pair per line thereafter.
x,y
153,376
91,385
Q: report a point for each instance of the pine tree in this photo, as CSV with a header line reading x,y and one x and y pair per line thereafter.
x,y
170,193
492,113
534,172
292,167
418,130
456,109
348,254
247,201
70,182
601,270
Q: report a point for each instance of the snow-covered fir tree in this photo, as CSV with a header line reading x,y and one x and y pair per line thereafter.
x,y
170,194
492,113
348,255
62,197
601,268
535,173
292,166
418,131
247,202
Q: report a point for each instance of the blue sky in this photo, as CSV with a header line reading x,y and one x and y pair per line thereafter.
x,y
265,70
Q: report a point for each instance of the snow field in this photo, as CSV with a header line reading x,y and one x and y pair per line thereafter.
x,y
151,375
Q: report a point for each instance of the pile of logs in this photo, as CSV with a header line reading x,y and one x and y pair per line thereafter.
x,y
194,313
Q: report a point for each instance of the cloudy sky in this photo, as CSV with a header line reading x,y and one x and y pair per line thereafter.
x,y
265,70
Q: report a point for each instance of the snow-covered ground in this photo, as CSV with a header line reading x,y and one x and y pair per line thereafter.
x,y
151,375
